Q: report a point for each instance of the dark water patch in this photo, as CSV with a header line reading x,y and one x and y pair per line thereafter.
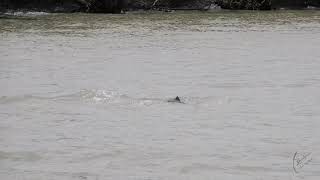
x,y
19,156
14,99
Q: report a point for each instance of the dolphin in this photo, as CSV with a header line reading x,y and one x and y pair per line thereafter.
x,y
175,100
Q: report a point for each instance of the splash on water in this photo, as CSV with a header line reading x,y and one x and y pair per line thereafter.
x,y
25,14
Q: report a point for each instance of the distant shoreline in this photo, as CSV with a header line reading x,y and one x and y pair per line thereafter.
x,y
10,12
119,6
73,9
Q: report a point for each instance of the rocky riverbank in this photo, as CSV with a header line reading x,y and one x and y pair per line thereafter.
x,y
117,6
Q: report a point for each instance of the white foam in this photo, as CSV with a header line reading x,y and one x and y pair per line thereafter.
x,y
26,14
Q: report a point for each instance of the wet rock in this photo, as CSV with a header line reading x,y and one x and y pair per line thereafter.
x,y
213,7
192,4
96,6
116,6
107,6
314,3
288,4
68,8
295,4
245,4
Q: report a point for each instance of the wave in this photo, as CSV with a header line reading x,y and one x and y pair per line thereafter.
x,y
24,14
104,97
114,97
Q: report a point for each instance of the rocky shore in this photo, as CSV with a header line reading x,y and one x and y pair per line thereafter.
x,y
117,6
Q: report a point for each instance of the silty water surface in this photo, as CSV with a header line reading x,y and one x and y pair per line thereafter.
x,y
84,96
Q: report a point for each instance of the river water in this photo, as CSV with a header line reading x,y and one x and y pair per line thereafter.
x,y
84,96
